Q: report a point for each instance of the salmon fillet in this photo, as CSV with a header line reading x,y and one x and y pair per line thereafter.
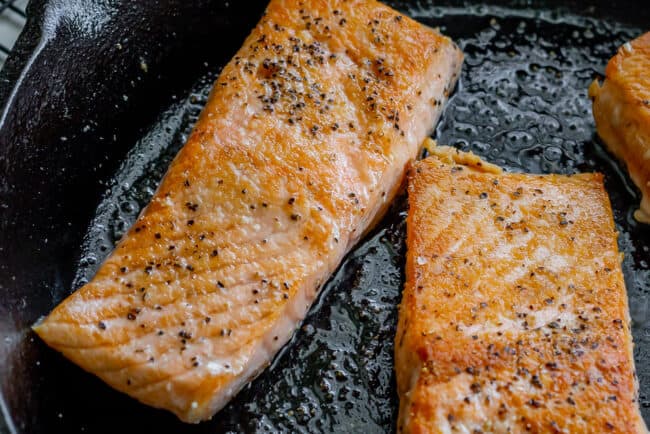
x,y
514,316
301,147
621,106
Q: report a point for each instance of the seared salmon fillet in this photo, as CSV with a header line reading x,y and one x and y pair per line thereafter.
x,y
514,317
302,145
621,106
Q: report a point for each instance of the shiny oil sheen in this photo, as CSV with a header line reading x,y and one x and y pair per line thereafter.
x,y
521,103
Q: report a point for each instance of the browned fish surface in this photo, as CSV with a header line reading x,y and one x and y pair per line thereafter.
x,y
514,316
622,113
299,150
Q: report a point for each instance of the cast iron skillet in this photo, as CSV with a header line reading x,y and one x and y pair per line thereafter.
x,y
99,95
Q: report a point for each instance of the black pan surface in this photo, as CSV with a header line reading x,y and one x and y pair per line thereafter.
x,y
99,95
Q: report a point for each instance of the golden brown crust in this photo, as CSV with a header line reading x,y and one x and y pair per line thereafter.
x,y
301,146
514,315
621,107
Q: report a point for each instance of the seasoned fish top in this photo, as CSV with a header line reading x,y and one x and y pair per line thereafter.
x,y
303,143
514,315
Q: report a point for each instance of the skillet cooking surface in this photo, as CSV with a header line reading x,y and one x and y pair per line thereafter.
x,y
109,95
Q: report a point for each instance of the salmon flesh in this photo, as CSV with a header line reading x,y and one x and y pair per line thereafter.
x,y
621,107
514,317
299,150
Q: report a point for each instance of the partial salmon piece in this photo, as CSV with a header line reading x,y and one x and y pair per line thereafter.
x,y
301,147
621,106
514,316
